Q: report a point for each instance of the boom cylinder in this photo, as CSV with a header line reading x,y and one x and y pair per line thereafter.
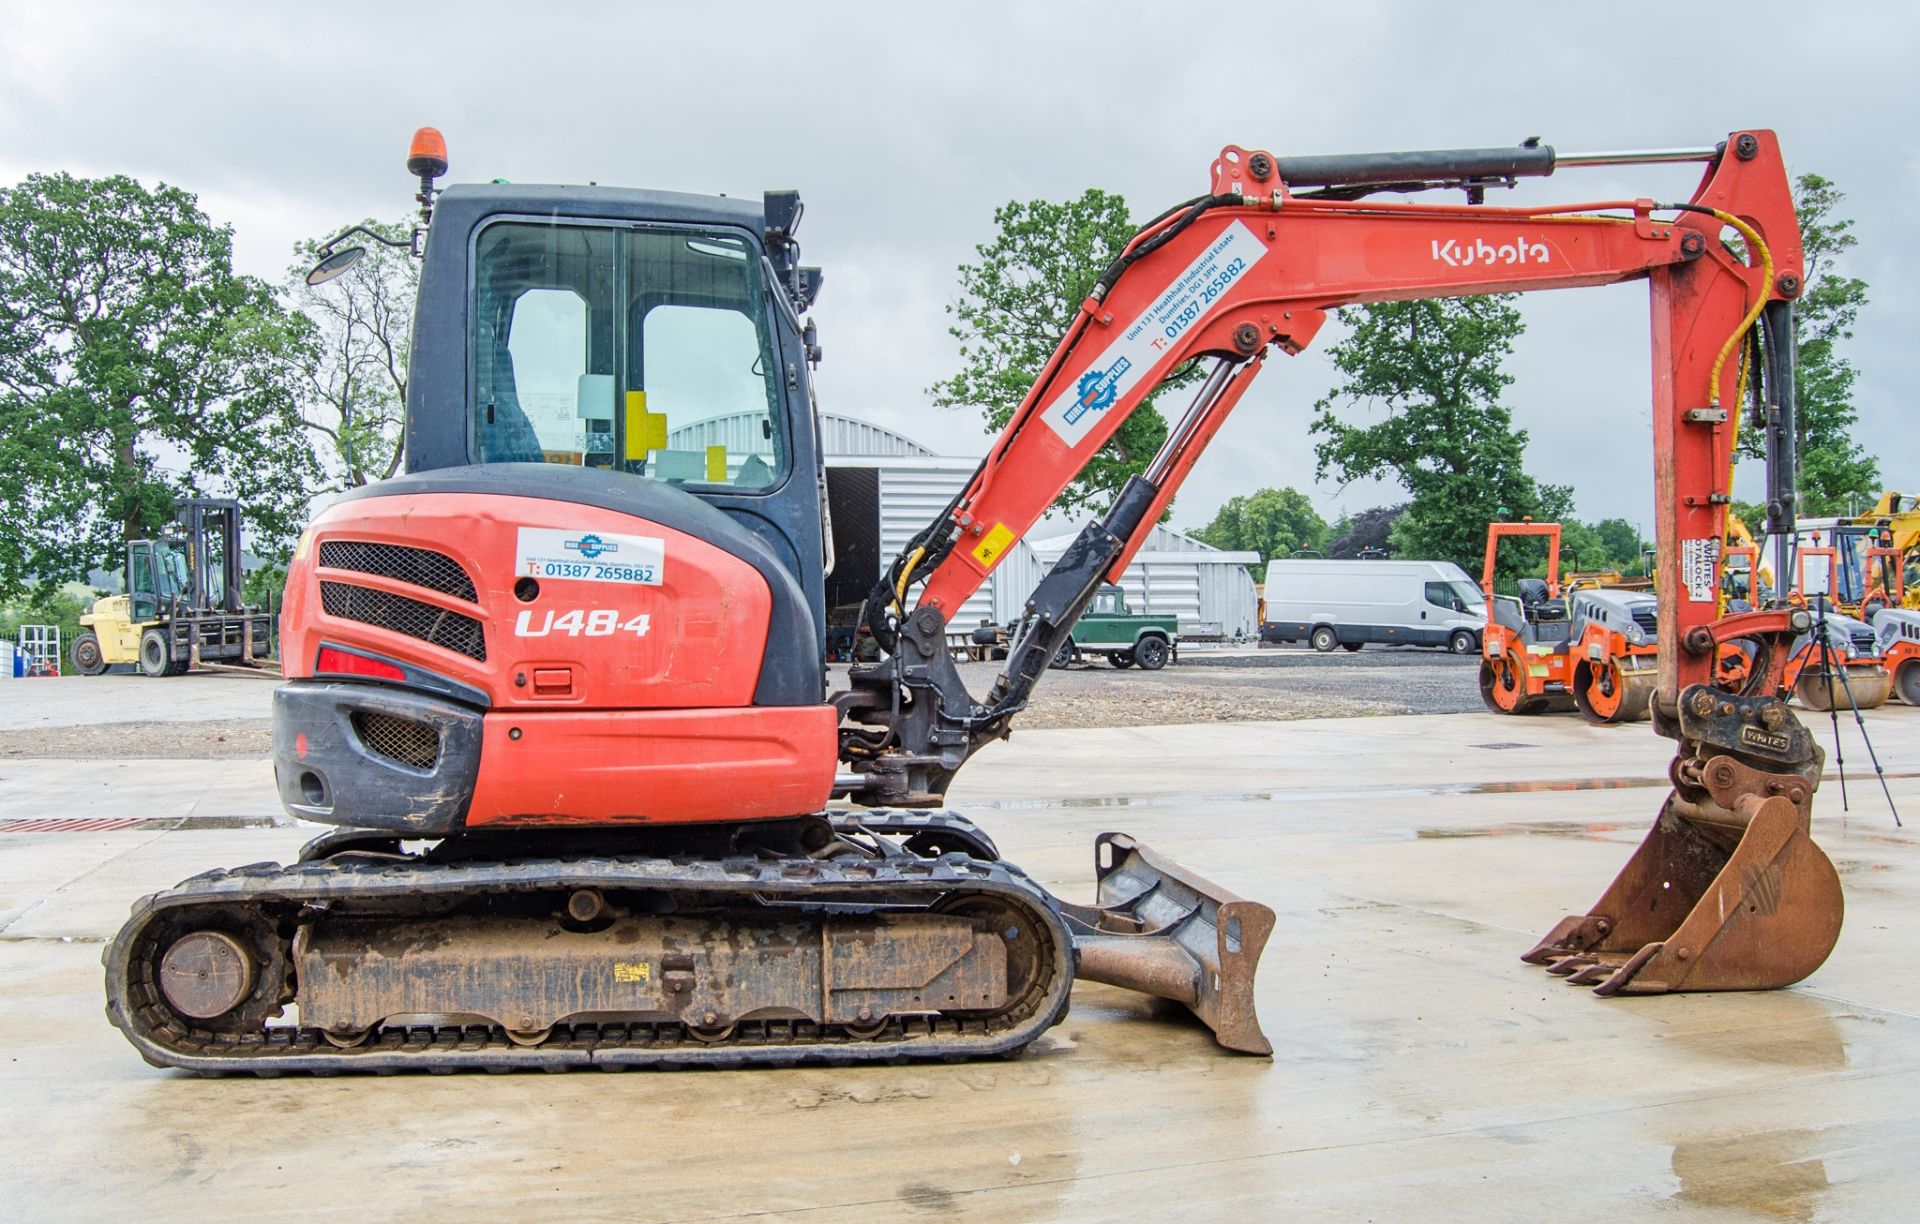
x,y
1362,169
1518,161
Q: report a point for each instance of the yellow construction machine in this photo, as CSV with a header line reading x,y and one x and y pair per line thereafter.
x,y
182,604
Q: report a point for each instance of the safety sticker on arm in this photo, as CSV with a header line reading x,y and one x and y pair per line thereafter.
x,y
1698,558
588,556
1173,314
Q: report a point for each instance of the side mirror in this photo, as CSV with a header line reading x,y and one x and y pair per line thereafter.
x,y
334,264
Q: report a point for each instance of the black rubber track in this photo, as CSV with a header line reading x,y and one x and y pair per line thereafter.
x,y
277,895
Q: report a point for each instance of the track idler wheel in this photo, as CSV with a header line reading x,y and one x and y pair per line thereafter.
x,y
1727,892
1869,685
1605,694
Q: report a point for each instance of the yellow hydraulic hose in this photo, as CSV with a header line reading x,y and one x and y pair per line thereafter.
x,y
906,576
1758,247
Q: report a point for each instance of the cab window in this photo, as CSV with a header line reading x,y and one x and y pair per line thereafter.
x,y
639,350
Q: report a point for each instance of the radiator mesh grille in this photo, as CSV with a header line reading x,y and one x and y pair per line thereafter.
x,y
451,630
419,567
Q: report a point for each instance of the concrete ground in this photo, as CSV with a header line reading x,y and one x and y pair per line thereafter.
x,y
1420,1070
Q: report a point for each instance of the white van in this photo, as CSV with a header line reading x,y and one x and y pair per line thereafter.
x,y
1351,603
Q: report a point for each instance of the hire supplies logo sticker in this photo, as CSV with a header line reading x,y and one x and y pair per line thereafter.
x,y
1173,314
589,556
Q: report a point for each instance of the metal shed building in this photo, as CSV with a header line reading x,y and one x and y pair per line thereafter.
x,y
883,486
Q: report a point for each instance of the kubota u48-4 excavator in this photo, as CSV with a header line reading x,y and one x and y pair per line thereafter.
x,y
561,684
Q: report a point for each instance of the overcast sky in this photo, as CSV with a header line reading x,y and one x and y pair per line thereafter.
x,y
903,127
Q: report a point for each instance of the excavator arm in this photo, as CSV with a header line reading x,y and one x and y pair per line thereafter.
x,y
1252,267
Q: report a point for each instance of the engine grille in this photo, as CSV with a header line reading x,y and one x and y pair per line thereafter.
x,y
398,739
451,630
1648,620
1863,641
419,567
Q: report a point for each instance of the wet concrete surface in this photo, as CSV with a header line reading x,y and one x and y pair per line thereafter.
x,y
1420,1070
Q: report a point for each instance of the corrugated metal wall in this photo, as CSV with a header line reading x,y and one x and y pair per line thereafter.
x,y
910,496
1173,575
839,436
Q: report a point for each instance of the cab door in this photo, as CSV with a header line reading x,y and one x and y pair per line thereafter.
x,y
143,583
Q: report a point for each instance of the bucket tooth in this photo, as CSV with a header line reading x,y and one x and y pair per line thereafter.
x,y
1163,930
1727,892
1591,973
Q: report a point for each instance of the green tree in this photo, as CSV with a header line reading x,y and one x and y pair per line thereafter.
x,y
1365,532
134,365
1016,303
1271,522
354,376
1434,367
1833,467
1610,544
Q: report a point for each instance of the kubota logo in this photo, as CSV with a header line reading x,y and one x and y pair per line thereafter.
x,y
1455,254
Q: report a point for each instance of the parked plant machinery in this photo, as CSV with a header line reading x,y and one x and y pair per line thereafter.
x,y
1852,644
1898,517
1740,567
1592,644
183,603
1125,637
561,686
1897,630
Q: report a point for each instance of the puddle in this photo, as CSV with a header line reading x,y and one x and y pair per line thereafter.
x,y
1539,828
1317,795
1771,1174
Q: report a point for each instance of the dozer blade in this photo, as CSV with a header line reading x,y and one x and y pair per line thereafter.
x,y
1160,929
1718,897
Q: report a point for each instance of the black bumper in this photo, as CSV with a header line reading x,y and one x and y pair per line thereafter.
x,y
374,757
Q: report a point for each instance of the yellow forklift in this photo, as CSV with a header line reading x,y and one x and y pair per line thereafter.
x,y
182,604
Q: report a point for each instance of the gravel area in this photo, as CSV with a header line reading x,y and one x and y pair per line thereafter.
x,y
1248,686
1204,686
221,738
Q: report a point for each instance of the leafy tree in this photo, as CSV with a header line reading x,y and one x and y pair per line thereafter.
x,y
1610,544
1833,467
134,366
1016,303
354,376
1367,531
1435,367
1271,522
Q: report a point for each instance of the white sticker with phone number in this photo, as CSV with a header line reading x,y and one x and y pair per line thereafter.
x,y
1179,308
588,556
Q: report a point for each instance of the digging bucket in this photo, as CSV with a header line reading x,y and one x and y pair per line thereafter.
x,y
1727,892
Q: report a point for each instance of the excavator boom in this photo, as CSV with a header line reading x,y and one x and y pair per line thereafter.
x,y
1251,268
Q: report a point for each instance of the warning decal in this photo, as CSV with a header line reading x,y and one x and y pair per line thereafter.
x,y
1698,560
988,550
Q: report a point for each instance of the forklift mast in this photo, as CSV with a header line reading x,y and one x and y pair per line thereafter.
x,y
201,521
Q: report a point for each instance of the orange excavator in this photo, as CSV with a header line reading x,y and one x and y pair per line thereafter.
x,y
561,686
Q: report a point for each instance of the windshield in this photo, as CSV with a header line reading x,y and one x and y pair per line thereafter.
x,y
1456,596
641,350
172,556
